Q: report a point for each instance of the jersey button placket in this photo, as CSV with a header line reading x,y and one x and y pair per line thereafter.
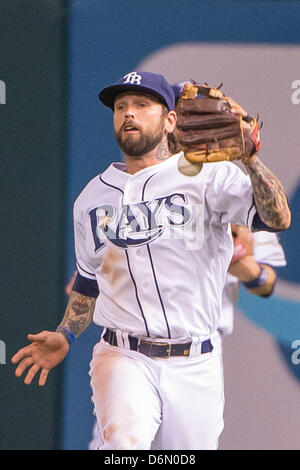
x,y
140,254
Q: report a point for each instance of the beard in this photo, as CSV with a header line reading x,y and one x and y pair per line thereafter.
x,y
135,146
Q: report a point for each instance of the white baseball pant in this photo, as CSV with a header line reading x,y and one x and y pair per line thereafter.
x,y
143,403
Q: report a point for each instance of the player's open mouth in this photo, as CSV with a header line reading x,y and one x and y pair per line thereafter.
x,y
130,129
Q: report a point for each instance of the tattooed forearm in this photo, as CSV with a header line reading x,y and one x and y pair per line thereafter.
x,y
269,195
79,313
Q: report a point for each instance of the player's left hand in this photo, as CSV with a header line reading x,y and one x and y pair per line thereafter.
x,y
247,127
213,127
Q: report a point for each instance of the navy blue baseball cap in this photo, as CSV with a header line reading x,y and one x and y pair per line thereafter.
x,y
149,82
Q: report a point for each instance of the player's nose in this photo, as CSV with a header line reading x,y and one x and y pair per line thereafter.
x,y
129,112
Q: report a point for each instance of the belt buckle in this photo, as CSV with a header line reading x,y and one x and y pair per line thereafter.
x,y
169,349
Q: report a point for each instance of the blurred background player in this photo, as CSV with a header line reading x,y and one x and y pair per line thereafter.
x,y
253,253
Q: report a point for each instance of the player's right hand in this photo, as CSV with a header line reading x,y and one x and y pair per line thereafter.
x,y
46,351
242,242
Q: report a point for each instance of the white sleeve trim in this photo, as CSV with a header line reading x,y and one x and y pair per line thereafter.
x,y
85,273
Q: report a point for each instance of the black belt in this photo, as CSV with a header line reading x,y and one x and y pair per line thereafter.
x,y
157,349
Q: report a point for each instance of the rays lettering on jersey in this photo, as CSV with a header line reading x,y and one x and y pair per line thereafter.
x,y
138,224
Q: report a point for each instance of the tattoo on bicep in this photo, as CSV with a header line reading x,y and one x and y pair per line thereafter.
x,y
79,313
269,195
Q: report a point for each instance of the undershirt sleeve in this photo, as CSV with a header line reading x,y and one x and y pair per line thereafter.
x,y
85,286
259,225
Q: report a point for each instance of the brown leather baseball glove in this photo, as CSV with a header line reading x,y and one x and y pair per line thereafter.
x,y
212,127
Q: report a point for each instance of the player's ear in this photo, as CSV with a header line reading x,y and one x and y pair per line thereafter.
x,y
171,119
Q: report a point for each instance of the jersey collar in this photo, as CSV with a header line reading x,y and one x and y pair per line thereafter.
x,y
116,171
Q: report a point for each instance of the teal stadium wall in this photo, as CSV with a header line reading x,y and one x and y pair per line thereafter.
x,y
33,152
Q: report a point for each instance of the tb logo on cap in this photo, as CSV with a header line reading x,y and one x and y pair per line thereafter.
x,y
133,78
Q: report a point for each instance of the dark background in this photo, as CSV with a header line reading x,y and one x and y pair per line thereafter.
x,y
33,65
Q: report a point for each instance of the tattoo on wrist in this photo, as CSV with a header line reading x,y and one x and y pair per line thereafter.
x,y
79,313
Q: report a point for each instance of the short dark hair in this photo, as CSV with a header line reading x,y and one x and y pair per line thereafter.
x,y
173,144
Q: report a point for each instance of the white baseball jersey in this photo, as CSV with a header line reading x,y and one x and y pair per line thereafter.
x,y
159,244
267,250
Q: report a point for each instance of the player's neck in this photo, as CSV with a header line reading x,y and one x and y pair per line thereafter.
x,y
157,155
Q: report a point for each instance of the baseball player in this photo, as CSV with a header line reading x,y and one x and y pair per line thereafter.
x,y
153,247
252,252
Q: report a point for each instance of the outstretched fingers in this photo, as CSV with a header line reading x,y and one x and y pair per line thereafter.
x,y
27,350
23,352
43,377
47,349
31,374
28,361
